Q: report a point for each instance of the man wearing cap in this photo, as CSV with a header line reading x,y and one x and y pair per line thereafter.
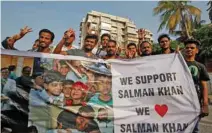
x,y
78,94
199,75
52,92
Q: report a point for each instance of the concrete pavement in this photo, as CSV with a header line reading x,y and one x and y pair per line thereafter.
x,y
206,122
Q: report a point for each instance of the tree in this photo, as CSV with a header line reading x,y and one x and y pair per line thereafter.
x,y
177,14
196,24
204,35
210,10
156,47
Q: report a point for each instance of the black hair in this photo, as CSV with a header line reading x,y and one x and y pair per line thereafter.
x,y
163,36
104,119
145,42
52,76
12,68
92,126
26,67
194,41
4,68
105,34
92,36
131,44
5,44
66,119
32,129
68,82
112,41
47,31
86,109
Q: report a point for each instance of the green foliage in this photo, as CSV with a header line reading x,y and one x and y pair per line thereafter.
x,y
156,47
204,35
175,43
177,16
210,10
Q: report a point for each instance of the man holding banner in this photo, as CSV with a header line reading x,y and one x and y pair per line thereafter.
x,y
199,75
150,97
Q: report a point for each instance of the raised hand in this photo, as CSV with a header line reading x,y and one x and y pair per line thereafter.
x,y
69,33
25,30
141,33
130,54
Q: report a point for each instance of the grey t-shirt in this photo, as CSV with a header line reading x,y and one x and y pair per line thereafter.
x,y
79,52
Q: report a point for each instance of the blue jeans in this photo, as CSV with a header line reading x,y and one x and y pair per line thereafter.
x,y
196,128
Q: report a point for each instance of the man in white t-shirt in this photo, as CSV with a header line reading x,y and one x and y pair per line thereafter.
x,y
66,42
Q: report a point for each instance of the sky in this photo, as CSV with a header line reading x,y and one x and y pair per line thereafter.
x,y
59,16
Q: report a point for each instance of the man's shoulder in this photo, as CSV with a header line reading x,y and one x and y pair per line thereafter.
x,y
200,64
196,63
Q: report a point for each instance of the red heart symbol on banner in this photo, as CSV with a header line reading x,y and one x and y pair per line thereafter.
x,y
161,109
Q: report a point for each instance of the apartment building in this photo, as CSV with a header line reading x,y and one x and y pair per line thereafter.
x,y
121,29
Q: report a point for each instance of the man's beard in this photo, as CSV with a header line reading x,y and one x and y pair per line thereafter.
x,y
146,54
87,49
110,53
42,45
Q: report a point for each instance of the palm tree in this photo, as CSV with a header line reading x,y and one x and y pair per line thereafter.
x,y
210,10
177,14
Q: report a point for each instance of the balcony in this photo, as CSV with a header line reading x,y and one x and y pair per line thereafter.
x,y
131,31
130,25
106,20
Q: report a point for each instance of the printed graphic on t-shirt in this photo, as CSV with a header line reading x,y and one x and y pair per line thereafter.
x,y
193,70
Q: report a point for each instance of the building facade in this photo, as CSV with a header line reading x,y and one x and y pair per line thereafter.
x,y
121,29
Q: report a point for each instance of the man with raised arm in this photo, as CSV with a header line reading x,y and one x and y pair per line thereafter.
x,y
66,43
89,43
8,42
46,38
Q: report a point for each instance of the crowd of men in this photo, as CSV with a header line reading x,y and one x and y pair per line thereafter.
x,y
108,49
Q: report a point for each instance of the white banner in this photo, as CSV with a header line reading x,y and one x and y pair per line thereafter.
x,y
154,94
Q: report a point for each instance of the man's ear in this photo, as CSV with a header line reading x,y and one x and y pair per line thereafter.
x,y
197,51
45,86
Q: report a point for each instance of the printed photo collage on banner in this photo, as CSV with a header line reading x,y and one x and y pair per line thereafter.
x,y
63,95
67,94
